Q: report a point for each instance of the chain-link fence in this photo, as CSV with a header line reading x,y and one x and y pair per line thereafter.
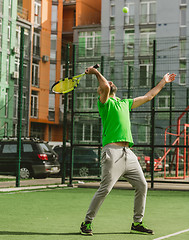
x,y
159,127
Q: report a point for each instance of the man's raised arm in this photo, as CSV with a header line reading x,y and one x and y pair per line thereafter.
x,y
104,87
154,91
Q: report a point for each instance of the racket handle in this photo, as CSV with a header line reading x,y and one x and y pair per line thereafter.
x,y
96,66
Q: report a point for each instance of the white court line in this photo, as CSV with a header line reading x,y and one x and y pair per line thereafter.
x,y
171,235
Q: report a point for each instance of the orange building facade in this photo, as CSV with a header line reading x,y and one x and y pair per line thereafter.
x,y
46,17
53,24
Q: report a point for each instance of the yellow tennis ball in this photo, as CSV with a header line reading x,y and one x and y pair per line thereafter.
x,y
125,9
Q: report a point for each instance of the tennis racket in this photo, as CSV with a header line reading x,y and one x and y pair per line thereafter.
x,y
68,84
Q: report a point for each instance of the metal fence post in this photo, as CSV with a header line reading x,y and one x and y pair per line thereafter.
x,y
153,116
20,93
72,124
65,120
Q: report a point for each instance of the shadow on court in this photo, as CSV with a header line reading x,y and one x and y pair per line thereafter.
x,y
14,233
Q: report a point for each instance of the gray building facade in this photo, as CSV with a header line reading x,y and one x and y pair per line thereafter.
x,y
127,44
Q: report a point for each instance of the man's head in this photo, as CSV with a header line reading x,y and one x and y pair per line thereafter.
x,y
113,89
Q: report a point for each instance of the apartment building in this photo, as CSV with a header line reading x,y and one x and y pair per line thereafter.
x,y
87,38
46,18
12,18
127,42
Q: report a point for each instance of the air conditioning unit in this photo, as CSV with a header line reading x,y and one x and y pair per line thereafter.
x,y
15,50
15,75
45,58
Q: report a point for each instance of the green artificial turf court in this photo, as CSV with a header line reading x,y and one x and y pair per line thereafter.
x,y
57,214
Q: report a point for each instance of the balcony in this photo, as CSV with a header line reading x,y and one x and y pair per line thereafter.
x,y
22,13
69,2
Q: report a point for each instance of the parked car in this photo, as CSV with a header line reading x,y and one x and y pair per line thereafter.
x,y
144,159
85,161
38,160
157,164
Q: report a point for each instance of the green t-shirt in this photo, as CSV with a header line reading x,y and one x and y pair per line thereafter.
x,y
116,120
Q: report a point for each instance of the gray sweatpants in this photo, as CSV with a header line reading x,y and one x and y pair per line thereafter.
x,y
119,161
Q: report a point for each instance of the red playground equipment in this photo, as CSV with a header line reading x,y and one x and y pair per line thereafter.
x,y
176,159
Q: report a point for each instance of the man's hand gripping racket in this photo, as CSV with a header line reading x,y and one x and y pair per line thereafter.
x,y
68,84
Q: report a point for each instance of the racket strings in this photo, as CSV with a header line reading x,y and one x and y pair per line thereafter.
x,y
67,84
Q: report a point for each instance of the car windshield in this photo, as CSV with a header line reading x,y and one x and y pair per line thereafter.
x,y
45,148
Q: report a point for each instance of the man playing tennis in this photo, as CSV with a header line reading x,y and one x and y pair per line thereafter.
x,y
117,158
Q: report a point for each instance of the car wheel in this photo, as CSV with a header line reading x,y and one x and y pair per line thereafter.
x,y
83,172
25,173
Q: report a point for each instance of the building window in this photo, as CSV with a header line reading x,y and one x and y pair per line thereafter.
x,y
8,67
51,107
26,43
36,44
142,133
17,64
128,76
183,2
54,18
24,106
146,71
34,104
129,17
182,77
112,43
86,101
18,31
1,7
183,17
183,48
37,12
129,43
182,72
15,113
163,100
69,101
6,131
112,13
14,131
147,12
183,22
8,36
53,47
89,44
6,103
112,70
146,43
63,71
86,132
10,8
35,75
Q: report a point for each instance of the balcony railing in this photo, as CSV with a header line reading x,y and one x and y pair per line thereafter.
x,y
22,12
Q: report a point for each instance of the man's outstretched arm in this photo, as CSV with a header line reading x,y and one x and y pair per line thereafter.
x,y
138,101
104,87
